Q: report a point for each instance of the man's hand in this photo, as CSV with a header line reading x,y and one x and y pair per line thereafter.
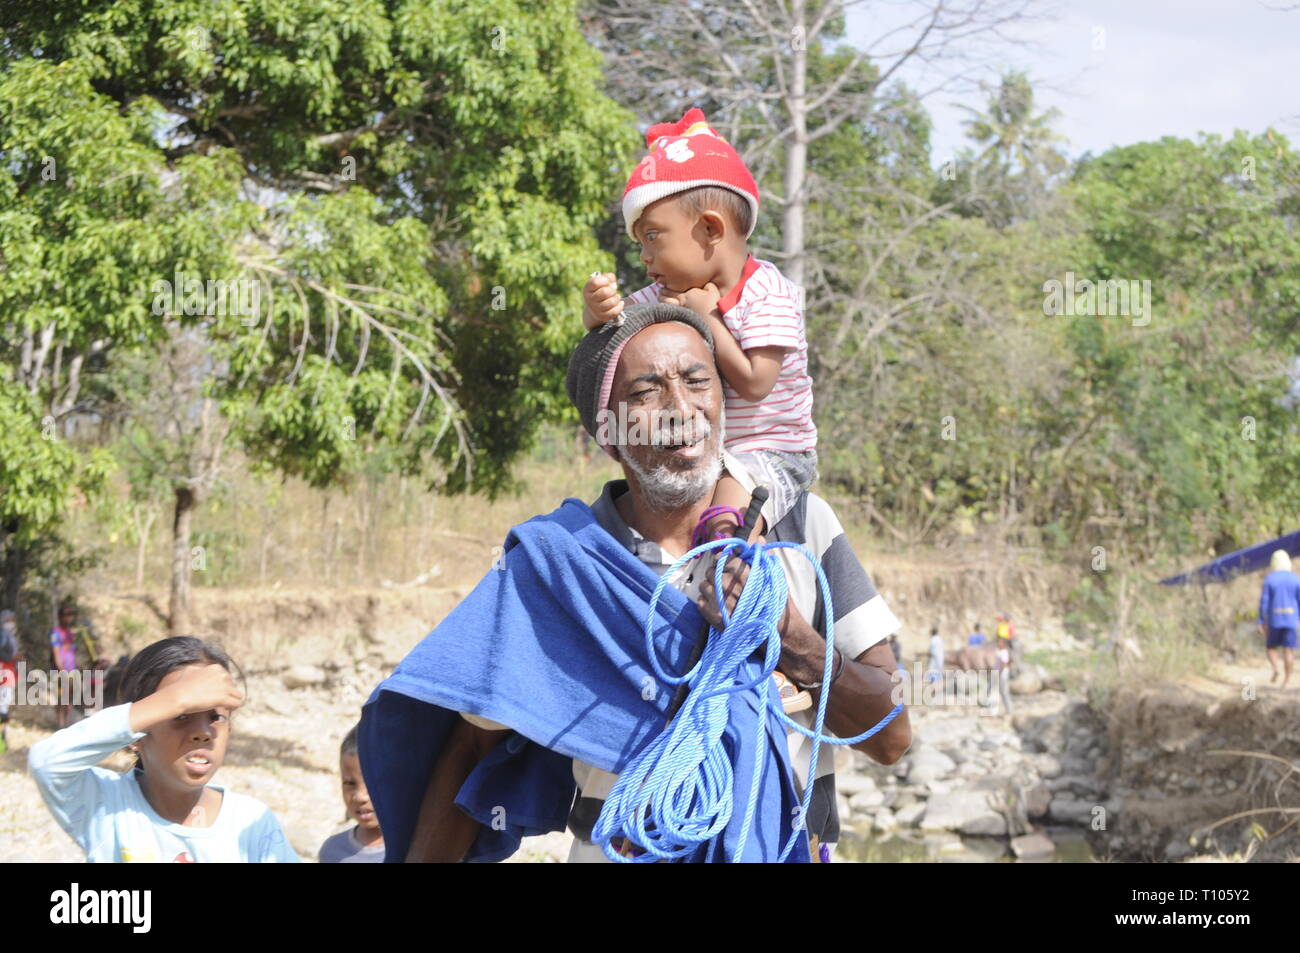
x,y
601,301
733,581
703,301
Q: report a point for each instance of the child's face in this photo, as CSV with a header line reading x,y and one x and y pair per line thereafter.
x,y
355,796
674,245
184,753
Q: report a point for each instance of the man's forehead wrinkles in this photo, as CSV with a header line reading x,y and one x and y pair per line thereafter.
x,y
668,367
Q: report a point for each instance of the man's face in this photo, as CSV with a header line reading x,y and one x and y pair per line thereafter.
x,y
674,245
67,617
666,389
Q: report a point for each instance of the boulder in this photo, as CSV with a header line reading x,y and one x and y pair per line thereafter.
x,y
1069,810
1037,801
911,815
884,821
948,732
303,676
967,811
1026,683
842,806
867,801
851,784
1032,846
1047,765
929,764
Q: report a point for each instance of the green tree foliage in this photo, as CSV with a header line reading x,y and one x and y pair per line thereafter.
x,y
453,156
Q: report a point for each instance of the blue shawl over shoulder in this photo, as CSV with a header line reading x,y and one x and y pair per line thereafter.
x,y
551,642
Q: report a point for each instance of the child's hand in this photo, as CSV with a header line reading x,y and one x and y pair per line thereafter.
x,y
203,688
602,302
194,688
703,301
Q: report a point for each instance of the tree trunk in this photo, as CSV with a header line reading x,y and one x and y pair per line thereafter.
x,y
13,562
179,615
796,151
142,543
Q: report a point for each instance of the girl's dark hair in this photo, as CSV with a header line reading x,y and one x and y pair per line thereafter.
x,y
153,663
349,745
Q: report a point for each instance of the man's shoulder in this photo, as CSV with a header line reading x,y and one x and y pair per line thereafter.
x,y
811,521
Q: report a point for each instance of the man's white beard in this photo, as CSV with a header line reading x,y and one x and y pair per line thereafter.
x,y
666,489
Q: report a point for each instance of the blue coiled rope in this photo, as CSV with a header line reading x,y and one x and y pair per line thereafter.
x,y
677,792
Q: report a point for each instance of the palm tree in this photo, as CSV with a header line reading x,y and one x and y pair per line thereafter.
x,y
1019,148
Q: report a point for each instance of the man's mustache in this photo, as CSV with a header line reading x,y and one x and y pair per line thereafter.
x,y
678,433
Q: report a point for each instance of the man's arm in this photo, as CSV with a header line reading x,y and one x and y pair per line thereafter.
x,y
860,694
444,833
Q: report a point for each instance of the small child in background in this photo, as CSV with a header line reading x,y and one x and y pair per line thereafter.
x,y
179,696
364,843
692,204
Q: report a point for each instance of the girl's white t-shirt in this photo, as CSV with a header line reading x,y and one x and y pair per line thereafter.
x,y
108,816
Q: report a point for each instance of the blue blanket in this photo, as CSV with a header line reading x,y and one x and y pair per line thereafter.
x,y
551,642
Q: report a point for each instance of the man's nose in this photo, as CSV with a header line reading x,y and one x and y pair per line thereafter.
x,y
678,401
203,727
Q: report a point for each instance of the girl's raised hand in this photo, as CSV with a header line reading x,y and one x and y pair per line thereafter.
x,y
203,688
191,688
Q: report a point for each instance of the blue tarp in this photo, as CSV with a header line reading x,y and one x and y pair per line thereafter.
x,y
1250,559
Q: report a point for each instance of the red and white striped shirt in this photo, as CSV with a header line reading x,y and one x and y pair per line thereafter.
x,y
765,310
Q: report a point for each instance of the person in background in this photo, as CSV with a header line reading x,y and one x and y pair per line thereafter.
x,y
8,671
1005,630
1004,672
63,649
1279,613
977,637
897,648
936,656
364,843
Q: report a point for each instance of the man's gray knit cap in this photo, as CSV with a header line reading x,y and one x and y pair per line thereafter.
x,y
591,357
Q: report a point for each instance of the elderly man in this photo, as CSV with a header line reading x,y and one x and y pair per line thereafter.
x,y
537,686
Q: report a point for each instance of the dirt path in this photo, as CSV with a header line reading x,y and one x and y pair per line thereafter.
x,y
283,751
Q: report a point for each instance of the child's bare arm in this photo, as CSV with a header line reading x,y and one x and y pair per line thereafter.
x,y
753,373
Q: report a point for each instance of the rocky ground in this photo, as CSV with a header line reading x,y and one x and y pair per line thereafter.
x,y
284,751
977,784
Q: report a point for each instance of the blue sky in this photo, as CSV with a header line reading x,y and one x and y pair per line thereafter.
x,y
1125,71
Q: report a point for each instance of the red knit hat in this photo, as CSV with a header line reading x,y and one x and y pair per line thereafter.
x,y
686,155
